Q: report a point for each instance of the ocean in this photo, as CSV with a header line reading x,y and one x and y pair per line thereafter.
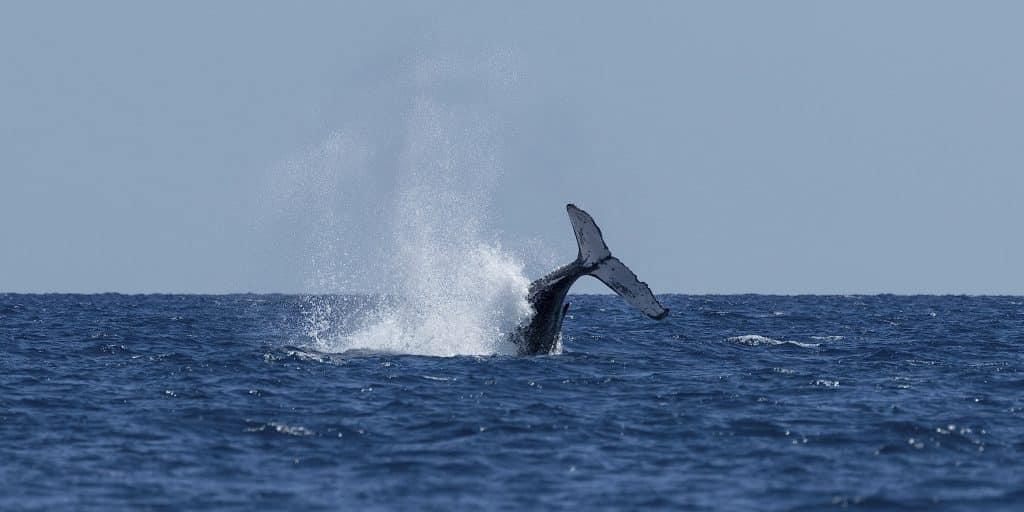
x,y
746,402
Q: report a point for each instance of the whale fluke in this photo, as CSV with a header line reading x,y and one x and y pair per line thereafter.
x,y
588,237
624,282
547,294
609,269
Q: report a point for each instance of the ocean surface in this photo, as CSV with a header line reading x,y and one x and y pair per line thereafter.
x,y
184,402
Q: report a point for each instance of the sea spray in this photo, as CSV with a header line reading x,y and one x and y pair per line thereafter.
x,y
403,260
464,302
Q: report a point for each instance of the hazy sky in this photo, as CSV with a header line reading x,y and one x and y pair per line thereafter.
x,y
724,147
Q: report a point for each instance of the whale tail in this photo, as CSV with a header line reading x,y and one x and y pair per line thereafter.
x,y
595,258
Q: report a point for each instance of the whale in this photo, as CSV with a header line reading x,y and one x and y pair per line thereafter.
x,y
541,333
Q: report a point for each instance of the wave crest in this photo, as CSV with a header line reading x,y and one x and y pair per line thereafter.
x,y
754,340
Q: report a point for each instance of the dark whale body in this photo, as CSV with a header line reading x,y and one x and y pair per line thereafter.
x,y
547,294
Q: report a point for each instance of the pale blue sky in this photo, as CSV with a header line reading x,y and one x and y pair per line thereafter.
x,y
724,147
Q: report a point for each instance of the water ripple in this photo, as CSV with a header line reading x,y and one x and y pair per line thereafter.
x,y
734,402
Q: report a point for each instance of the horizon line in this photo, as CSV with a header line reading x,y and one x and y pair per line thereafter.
x,y
610,294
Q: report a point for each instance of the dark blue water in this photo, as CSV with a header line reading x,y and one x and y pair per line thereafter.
x,y
210,402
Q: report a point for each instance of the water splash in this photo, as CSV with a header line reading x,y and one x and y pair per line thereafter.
x,y
402,256
462,303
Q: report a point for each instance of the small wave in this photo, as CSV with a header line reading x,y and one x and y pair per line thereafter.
x,y
828,338
304,355
439,379
756,339
281,428
720,313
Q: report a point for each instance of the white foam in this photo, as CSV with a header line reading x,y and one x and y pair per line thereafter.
x,y
292,430
756,339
